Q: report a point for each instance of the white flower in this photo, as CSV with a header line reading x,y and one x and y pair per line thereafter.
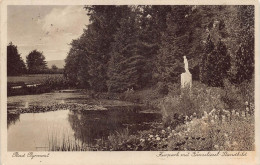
x,y
156,135
246,103
163,131
150,136
205,114
168,128
216,146
235,143
158,138
247,109
142,140
227,143
233,112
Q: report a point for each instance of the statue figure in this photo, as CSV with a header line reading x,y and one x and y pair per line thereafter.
x,y
186,77
186,64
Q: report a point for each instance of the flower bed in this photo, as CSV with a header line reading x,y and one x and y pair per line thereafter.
x,y
218,130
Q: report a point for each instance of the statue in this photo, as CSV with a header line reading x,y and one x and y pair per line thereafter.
x,y
186,77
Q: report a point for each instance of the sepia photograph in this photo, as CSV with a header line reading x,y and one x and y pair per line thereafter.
x,y
130,78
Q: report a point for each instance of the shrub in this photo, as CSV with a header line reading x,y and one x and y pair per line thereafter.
x,y
215,63
236,96
162,88
197,100
55,83
234,133
212,132
149,97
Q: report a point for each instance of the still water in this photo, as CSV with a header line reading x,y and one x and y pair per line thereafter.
x,y
35,131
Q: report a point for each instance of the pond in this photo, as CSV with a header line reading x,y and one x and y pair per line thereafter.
x,y
41,131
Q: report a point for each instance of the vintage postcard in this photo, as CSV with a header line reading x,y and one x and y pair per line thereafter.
x,y
139,82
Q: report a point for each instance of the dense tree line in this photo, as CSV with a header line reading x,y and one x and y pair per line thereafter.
x,y
15,63
35,63
138,46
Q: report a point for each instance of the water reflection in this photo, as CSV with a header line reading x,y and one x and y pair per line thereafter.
x,y
90,125
12,119
35,131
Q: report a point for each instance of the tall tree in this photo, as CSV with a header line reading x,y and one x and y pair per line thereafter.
x,y
205,60
76,63
245,54
36,62
217,65
126,64
174,45
134,50
104,23
152,23
15,63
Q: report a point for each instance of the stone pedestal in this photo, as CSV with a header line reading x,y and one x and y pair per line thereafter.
x,y
186,80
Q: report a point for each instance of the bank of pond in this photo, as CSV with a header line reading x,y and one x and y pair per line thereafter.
x,y
50,130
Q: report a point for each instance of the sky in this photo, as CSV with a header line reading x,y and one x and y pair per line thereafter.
x,y
49,29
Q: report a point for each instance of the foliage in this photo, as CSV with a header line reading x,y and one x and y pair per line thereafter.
x,y
215,64
216,133
139,46
31,78
150,97
244,38
197,100
54,67
126,63
15,63
209,48
87,61
55,83
169,61
38,85
245,62
53,71
76,65
36,62
235,96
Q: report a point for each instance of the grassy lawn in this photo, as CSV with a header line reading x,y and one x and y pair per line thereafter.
x,y
32,78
